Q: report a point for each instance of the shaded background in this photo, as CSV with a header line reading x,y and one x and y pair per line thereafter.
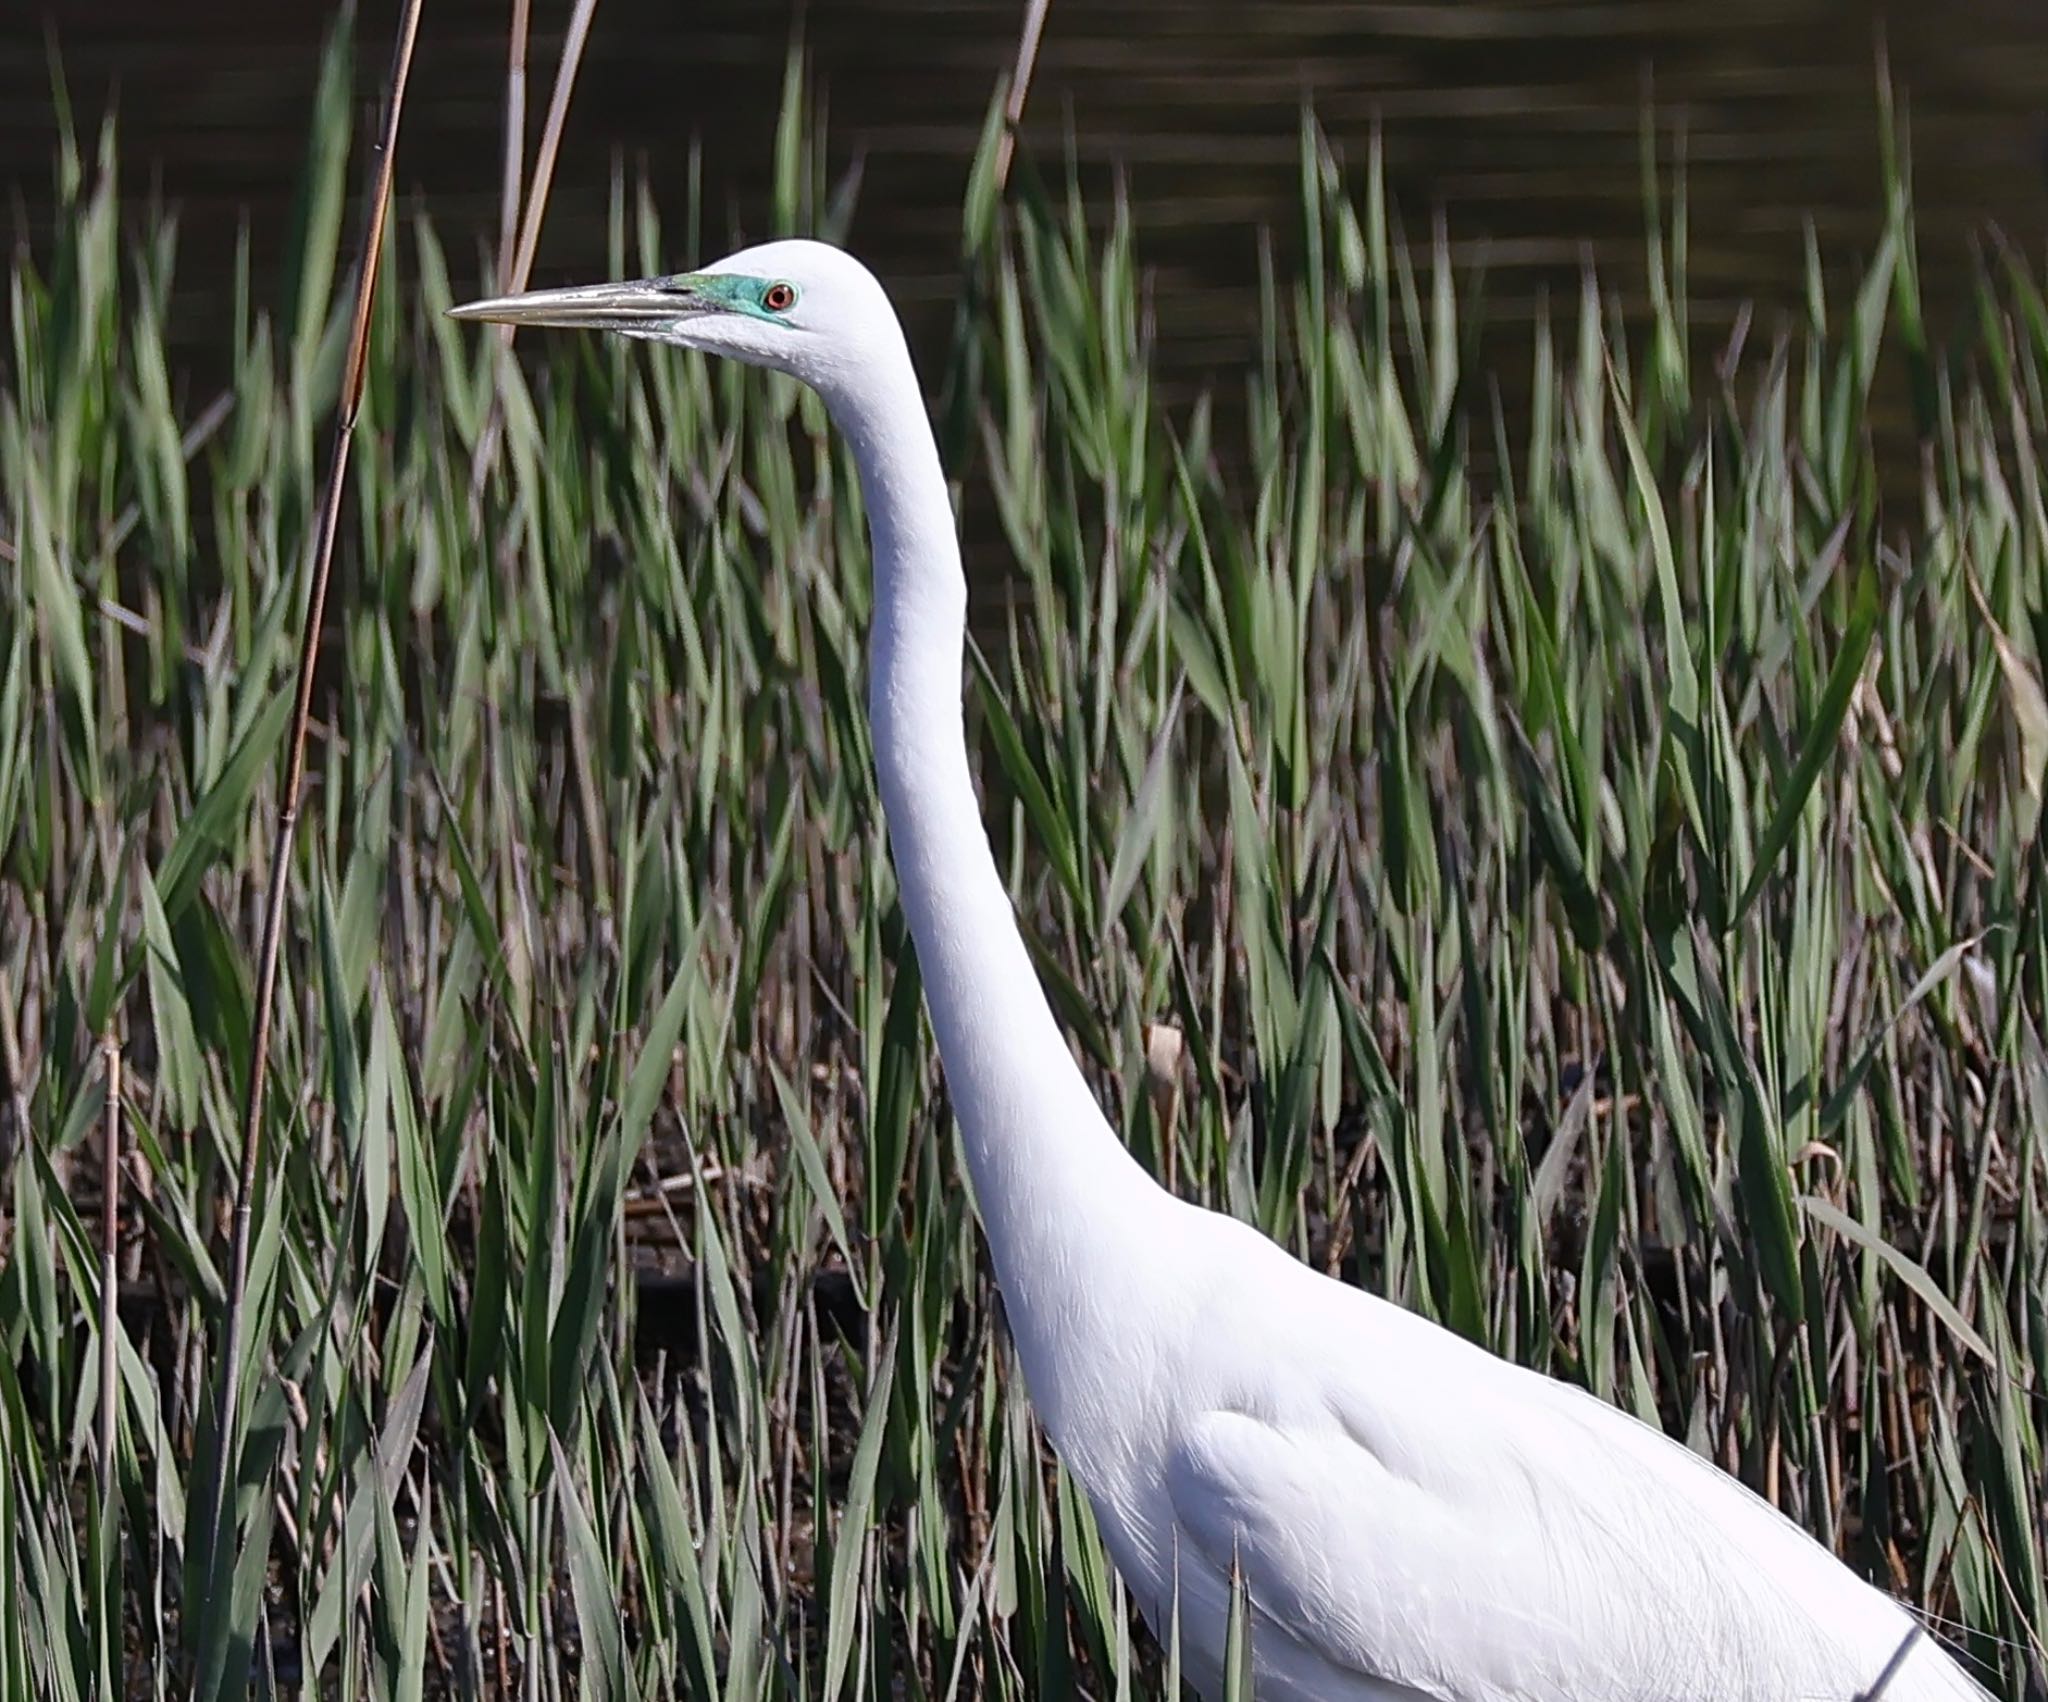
x,y
1520,117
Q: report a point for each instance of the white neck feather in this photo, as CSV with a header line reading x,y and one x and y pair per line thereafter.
x,y
1056,1188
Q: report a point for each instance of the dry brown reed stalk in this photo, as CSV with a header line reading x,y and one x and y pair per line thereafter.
x,y
368,254
515,139
1020,85
515,264
550,144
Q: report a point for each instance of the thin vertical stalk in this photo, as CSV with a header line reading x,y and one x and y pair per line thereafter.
x,y
515,265
109,1617
1020,85
13,1080
369,253
551,142
110,1246
515,142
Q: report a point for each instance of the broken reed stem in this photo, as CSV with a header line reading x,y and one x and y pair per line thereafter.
x,y
368,255
1891,1667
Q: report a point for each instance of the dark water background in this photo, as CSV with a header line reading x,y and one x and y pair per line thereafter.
x,y
1520,117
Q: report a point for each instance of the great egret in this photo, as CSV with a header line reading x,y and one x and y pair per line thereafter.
x,y
1412,1517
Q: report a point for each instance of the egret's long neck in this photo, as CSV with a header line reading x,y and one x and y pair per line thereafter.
x,y
1050,1177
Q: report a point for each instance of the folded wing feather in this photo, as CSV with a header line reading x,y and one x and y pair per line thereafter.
x,y
1530,1545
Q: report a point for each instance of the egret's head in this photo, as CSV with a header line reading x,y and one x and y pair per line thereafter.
x,y
804,308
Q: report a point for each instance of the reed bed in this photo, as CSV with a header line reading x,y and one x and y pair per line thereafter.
x,y
1577,874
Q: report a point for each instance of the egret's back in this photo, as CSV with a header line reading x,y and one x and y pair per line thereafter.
x,y
1415,1517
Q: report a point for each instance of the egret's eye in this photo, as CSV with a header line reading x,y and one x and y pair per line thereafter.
x,y
779,298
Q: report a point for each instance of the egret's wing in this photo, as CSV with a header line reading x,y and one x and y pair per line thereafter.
x,y
1522,1543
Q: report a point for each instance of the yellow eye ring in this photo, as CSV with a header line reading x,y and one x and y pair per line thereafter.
x,y
779,298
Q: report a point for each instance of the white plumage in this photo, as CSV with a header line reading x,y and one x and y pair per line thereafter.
x,y
1413,1517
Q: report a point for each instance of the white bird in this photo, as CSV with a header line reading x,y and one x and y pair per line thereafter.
x,y
1412,1516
